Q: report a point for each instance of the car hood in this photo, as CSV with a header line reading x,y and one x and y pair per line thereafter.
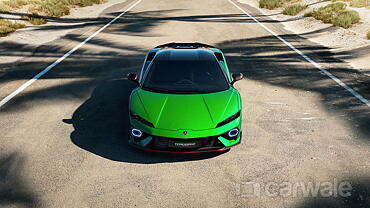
x,y
185,111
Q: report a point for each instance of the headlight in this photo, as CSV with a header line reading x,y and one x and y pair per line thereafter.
x,y
136,133
231,134
228,120
138,118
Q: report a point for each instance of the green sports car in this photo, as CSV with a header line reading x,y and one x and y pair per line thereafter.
x,y
185,101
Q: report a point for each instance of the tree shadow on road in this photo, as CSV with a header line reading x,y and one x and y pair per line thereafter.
x,y
13,189
265,59
358,197
101,127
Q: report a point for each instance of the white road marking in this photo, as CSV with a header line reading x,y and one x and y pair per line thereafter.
x,y
322,69
308,118
29,82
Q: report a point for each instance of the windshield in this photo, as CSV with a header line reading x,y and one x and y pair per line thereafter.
x,y
185,76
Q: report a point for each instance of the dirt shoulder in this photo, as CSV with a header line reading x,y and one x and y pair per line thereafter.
x,y
35,36
349,45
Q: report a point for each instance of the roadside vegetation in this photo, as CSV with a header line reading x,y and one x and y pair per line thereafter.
x,y
58,8
270,4
294,4
273,4
7,27
53,8
294,9
336,14
34,19
39,11
356,3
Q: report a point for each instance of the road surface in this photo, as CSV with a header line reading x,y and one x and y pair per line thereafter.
x,y
63,139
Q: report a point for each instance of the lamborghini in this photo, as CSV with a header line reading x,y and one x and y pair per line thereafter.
x,y
185,101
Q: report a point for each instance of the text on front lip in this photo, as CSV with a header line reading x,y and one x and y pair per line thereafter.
x,y
185,144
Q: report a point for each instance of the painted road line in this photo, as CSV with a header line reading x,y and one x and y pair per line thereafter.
x,y
322,69
51,66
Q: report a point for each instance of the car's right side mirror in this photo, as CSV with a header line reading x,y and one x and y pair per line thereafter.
x,y
132,77
236,77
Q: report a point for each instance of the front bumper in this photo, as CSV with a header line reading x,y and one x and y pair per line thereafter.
x,y
175,141
192,145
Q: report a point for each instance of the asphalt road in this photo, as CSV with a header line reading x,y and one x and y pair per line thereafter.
x,y
63,139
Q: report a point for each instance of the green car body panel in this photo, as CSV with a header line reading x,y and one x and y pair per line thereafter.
x,y
186,116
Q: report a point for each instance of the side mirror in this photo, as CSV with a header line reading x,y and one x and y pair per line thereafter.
x,y
236,77
132,77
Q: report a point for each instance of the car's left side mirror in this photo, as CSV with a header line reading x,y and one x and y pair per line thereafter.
x,y
132,77
236,77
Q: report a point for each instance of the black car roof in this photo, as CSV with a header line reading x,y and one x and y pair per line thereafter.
x,y
185,45
185,54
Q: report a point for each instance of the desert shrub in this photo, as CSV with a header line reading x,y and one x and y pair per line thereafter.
x,y
83,3
7,27
336,14
7,5
359,3
54,8
294,9
346,18
50,8
35,19
368,35
270,4
356,3
308,14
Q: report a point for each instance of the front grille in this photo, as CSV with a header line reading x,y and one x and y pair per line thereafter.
x,y
174,144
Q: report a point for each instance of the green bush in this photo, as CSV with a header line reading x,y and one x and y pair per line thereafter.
x,y
356,3
51,8
7,27
54,8
7,5
359,3
35,19
368,35
336,14
294,9
308,14
270,4
346,18
59,8
83,3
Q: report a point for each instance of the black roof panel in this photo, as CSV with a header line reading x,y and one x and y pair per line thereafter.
x,y
184,45
185,54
